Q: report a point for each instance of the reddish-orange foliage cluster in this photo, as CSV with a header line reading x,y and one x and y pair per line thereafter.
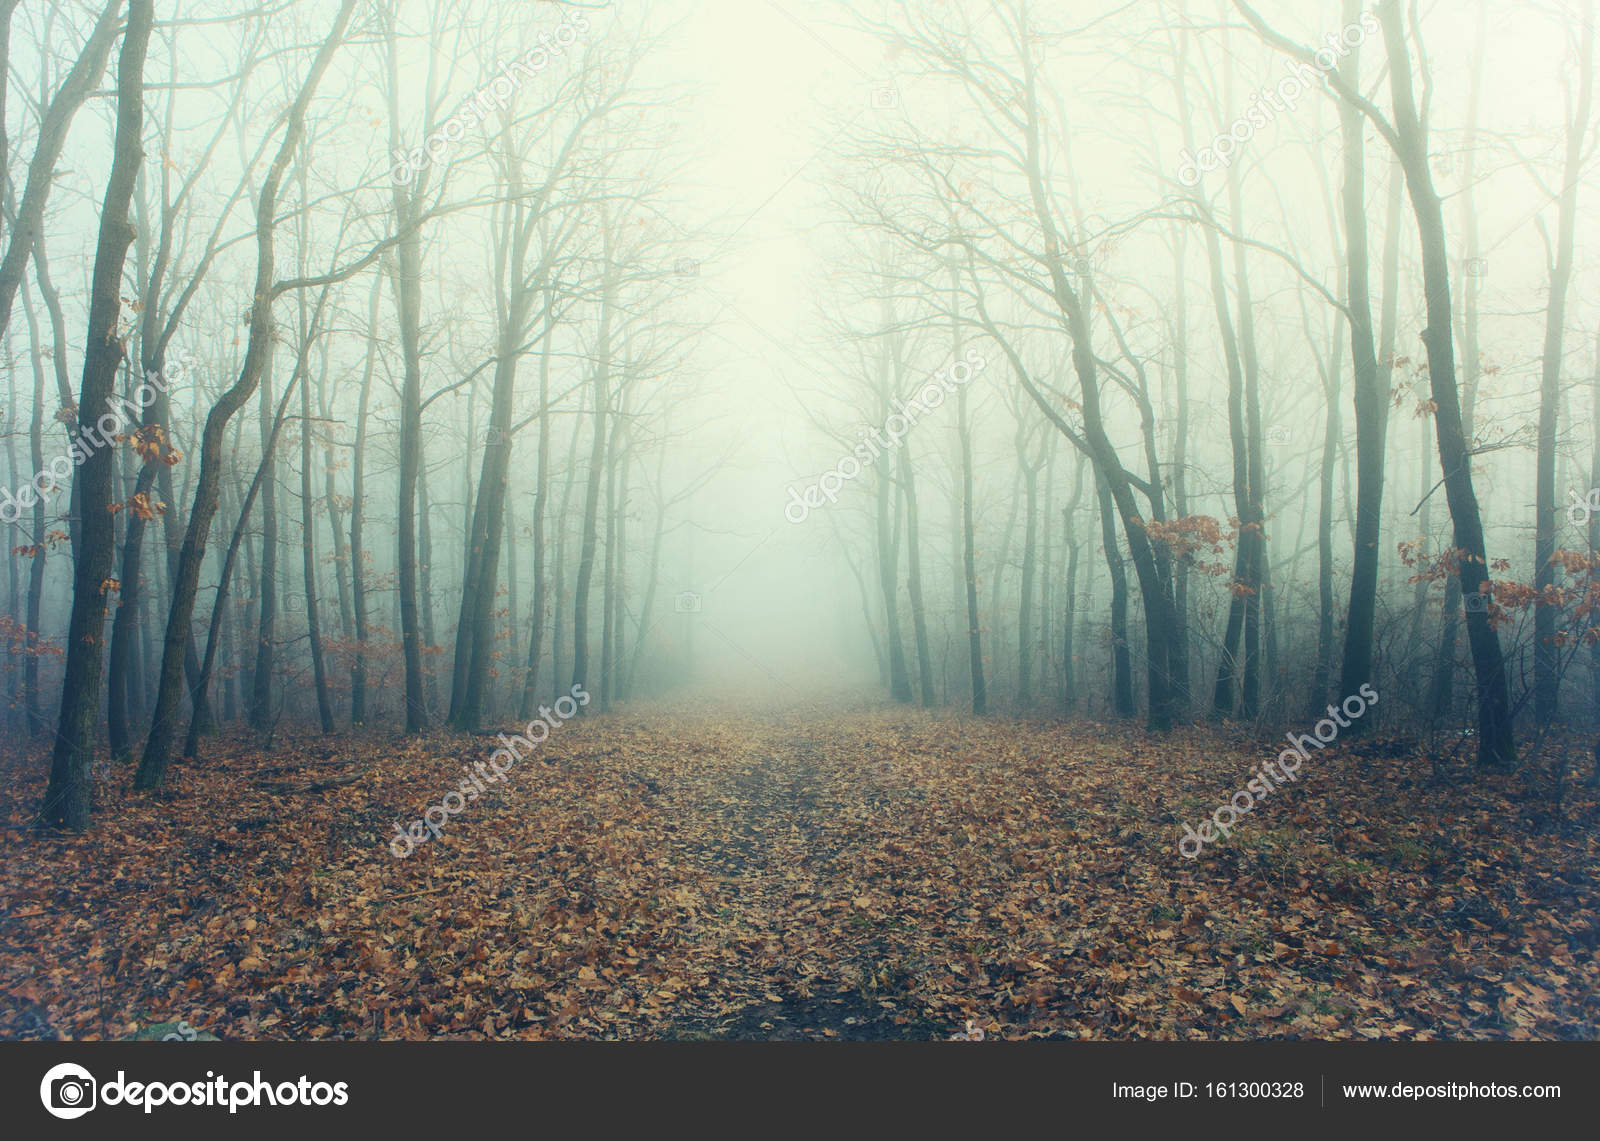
x,y
1192,534
152,445
18,641
52,540
141,505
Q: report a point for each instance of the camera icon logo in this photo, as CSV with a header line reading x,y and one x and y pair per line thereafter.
x,y
68,1091
885,99
1476,603
1278,435
686,267
687,602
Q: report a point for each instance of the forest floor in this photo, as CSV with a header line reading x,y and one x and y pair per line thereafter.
x,y
806,874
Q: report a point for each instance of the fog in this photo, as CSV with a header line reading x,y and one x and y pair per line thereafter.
x,y
756,230
774,520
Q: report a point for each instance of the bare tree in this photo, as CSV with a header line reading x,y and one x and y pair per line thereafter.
x,y
158,746
67,798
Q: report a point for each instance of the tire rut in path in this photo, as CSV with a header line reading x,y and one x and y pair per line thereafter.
x,y
766,843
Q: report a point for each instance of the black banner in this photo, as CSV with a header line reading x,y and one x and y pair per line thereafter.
x,y
323,1089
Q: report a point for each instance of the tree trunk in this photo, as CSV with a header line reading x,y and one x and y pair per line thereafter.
x,y
358,507
1594,527
919,618
980,693
169,698
308,530
267,614
33,712
407,280
608,585
67,798
1496,746
888,591
1122,700
541,496
1546,651
1371,394
597,461
191,745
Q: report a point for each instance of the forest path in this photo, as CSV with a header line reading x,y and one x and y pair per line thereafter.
x,y
767,839
714,871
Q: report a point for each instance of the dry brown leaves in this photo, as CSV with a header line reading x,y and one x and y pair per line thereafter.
x,y
871,875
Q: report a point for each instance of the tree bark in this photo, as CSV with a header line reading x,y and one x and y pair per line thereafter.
x,y
1546,651
67,798
1371,393
169,697
191,745
358,487
1496,746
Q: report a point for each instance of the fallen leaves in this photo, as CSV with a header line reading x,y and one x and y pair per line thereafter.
x,y
878,875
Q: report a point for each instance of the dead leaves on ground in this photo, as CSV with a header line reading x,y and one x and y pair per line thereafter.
x,y
877,875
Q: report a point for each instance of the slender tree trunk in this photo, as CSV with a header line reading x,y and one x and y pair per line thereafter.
x,y
1323,676
1594,527
1030,537
980,692
1371,394
1182,693
558,618
219,624
267,613
541,495
1441,695
67,798
597,459
169,698
15,716
888,566
1496,746
1228,664
919,618
619,690
308,530
407,279
609,570
1546,650
358,508
1253,536
1121,660
430,640
33,711
1069,609
335,505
